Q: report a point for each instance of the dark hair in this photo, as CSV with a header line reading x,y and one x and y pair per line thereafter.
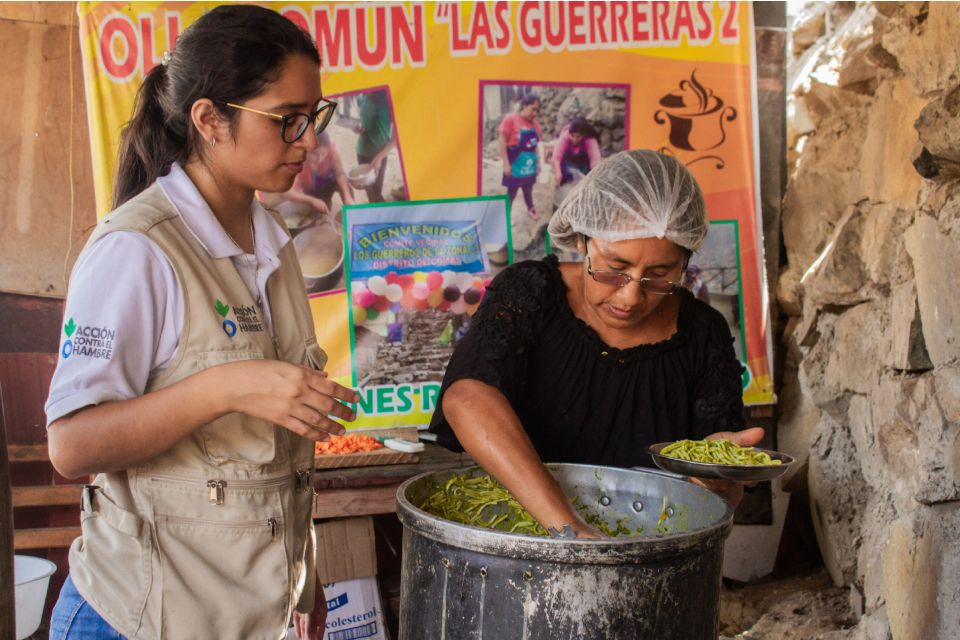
x,y
581,126
529,99
231,53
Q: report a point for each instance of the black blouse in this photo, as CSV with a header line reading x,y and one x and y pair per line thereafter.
x,y
581,400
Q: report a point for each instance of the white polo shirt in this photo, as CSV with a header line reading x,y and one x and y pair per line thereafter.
x,y
124,308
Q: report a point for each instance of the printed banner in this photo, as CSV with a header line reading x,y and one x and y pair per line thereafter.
x,y
447,100
416,273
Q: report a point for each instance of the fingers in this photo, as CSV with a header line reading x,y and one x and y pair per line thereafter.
x,y
729,490
319,381
748,437
314,424
325,404
745,438
307,626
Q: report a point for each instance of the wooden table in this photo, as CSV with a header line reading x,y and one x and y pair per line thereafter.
x,y
363,491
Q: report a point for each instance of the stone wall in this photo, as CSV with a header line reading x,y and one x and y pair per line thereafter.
x,y
871,227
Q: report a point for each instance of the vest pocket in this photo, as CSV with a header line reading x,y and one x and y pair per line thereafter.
x,y
223,579
237,437
113,559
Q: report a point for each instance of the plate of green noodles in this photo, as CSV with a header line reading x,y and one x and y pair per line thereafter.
x,y
719,460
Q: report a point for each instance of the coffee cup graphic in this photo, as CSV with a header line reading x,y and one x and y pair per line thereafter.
x,y
695,115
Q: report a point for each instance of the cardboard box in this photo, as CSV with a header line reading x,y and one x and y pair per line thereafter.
x,y
347,566
346,549
353,610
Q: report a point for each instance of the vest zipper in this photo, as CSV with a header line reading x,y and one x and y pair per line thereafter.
x,y
216,487
272,524
216,491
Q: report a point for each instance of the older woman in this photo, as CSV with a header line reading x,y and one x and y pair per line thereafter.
x,y
592,362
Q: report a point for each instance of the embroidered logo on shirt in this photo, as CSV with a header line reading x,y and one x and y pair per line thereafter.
x,y
229,326
248,320
92,342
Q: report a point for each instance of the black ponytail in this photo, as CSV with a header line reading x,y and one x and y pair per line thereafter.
x,y
231,53
147,145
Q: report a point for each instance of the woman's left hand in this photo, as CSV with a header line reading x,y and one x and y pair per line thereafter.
x,y
310,626
730,490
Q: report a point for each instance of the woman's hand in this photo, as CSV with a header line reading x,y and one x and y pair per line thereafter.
x,y
319,206
507,170
295,397
730,490
585,531
310,626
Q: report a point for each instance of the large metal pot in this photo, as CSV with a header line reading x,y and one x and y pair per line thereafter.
x,y
465,582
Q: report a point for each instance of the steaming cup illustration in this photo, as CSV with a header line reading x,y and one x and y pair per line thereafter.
x,y
695,115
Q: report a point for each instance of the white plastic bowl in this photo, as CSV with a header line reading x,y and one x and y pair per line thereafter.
x,y
328,238
362,176
32,577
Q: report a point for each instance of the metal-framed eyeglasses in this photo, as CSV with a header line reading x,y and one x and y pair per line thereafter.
x,y
294,125
619,279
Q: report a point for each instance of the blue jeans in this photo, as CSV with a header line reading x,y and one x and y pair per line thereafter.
x,y
74,619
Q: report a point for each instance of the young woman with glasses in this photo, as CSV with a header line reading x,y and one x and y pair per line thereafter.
x,y
593,362
189,379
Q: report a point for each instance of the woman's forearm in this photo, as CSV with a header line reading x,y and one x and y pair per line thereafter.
x,y
119,434
123,433
490,431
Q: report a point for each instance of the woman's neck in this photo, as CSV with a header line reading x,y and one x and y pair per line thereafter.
x,y
230,204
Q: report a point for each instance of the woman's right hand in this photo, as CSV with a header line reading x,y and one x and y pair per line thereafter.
x,y
585,531
295,397
507,171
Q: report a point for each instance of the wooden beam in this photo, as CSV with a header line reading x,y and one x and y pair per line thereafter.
x,y
49,538
59,13
367,501
47,495
28,453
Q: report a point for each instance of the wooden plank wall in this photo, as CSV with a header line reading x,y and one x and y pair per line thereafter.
x,y
46,184
27,360
46,212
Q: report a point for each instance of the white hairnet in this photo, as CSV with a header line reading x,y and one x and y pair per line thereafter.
x,y
633,194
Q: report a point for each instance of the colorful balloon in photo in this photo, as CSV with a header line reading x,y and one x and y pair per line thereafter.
x,y
378,285
451,293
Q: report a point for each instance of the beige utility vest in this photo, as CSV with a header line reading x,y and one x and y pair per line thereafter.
x,y
212,538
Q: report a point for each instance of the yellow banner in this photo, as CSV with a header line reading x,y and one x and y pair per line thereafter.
x,y
671,76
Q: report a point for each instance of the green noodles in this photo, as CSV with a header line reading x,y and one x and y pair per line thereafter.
x,y
484,502
717,452
465,500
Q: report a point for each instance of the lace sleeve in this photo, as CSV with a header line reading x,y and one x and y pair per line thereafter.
x,y
718,404
507,320
503,333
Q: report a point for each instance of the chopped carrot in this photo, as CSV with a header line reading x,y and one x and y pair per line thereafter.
x,y
349,443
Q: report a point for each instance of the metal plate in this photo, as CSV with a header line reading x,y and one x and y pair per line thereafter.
x,y
741,473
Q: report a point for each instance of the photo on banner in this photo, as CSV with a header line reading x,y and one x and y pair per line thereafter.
x,y
416,274
713,276
357,160
537,140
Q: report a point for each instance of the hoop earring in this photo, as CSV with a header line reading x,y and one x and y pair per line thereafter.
x,y
213,142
